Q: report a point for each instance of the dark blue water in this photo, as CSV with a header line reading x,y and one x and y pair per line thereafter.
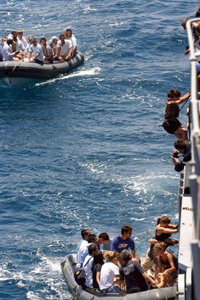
x,y
87,150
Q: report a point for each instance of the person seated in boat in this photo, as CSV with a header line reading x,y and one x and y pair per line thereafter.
x,y
171,124
7,52
134,274
124,241
63,50
28,46
69,36
3,40
19,46
109,277
96,268
53,42
92,239
184,149
87,264
83,245
35,52
20,36
166,266
47,50
162,234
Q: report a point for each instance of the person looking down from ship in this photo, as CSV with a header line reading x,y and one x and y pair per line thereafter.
x,y
7,52
166,267
133,273
63,50
124,241
19,46
171,124
87,264
181,148
109,277
47,50
35,49
162,234
82,245
96,268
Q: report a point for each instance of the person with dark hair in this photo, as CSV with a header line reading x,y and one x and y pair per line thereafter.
x,y
19,45
96,268
68,35
124,241
87,264
171,124
47,50
133,273
92,239
83,244
63,50
105,241
183,148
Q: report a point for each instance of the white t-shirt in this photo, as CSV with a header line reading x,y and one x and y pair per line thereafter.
x,y
81,249
88,270
65,48
108,273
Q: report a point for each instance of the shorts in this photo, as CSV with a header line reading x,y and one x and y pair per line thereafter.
x,y
171,126
147,262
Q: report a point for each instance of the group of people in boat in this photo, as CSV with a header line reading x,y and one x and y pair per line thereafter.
x,y
113,266
15,46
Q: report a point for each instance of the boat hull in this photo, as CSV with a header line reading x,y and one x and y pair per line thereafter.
x,y
20,72
68,267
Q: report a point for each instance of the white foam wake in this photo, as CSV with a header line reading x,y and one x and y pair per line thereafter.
x,y
90,72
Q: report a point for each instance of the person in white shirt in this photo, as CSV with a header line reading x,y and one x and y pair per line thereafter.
x,y
87,264
7,52
63,50
83,244
21,37
19,46
68,35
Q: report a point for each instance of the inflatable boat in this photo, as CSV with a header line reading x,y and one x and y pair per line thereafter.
x,y
68,267
21,72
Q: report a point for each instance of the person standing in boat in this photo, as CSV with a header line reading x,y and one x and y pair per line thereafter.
x,y
21,37
134,274
19,46
35,52
83,244
171,124
183,148
124,241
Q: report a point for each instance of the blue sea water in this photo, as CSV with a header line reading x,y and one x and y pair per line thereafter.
x,y
87,150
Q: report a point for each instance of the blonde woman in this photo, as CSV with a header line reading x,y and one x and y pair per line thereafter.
x,y
110,273
166,266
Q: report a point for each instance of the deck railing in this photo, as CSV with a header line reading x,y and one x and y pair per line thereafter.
x,y
195,161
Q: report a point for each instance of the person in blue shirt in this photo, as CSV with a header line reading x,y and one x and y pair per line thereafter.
x,y
124,241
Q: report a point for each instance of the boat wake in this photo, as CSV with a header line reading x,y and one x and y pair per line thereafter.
x,y
90,72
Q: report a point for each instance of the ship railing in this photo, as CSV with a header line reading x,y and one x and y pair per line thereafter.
x,y
195,150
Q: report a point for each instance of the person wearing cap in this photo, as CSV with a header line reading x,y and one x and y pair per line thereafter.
x,y
19,46
21,37
7,52
63,50
35,52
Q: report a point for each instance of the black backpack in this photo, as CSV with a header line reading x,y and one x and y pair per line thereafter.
x,y
79,275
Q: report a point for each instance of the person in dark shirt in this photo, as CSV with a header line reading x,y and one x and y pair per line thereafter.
x,y
96,268
133,273
183,148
